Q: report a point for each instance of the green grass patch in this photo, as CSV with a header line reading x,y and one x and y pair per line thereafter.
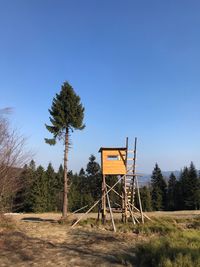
x,y
181,249
195,224
161,226
158,226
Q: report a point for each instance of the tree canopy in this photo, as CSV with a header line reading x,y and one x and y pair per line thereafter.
x,y
66,114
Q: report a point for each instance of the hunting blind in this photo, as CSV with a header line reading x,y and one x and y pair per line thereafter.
x,y
113,161
120,161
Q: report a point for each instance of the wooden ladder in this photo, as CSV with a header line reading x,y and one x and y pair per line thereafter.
x,y
131,173
131,182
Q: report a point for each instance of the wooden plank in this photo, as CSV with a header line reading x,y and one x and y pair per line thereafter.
x,y
103,201
140,203
79,209
111,214
115,167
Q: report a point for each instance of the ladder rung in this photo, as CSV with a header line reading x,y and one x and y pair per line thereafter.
x,y
138,175
131,151
131,169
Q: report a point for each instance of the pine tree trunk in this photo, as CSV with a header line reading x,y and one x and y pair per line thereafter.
x,y
65,200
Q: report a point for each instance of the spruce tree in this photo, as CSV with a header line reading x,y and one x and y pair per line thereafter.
x,y
192,200
198,193
83,187
178,196
39,191
94,177
74,194
158,193
28,176
171,192
146,198
59,188
184,177
50,177
66,114
84,190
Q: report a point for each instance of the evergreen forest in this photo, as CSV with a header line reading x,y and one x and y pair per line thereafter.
x,y
42,189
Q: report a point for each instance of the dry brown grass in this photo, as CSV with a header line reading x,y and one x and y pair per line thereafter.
x,y
39,240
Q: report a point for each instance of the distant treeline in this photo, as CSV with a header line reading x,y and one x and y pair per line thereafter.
x,y
42,189
179,193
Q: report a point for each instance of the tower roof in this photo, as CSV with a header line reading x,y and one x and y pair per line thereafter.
x,y
111,148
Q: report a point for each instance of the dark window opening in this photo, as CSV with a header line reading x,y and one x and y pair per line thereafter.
x,y
113,157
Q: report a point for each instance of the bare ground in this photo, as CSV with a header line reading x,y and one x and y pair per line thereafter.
x,y
39,240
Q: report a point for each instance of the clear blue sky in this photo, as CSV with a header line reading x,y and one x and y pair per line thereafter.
x,y
135,65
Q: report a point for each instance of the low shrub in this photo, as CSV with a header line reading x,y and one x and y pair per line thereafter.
x,y
6,223
174,250
157,226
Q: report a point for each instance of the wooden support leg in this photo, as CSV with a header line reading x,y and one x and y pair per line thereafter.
x,y
125,201
122,186
111,214
99,212
104,199
140,203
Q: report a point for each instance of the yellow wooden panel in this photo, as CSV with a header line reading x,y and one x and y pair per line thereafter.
x,y
111,166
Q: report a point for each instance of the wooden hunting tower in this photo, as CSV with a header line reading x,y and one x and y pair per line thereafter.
x,y
119,161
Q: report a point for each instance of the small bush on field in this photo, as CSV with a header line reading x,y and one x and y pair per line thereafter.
x,y
6,223
157,226
90,221
195,224
175,250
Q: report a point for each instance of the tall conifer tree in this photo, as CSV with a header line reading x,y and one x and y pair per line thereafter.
x,y
94,177
50,176
66,114
171,192
158,185
28,176
59,188
193,188
39,191
184,181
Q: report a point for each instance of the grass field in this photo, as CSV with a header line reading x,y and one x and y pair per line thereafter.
x,y
170,239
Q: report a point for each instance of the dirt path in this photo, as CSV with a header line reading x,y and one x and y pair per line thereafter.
x,y
40,241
